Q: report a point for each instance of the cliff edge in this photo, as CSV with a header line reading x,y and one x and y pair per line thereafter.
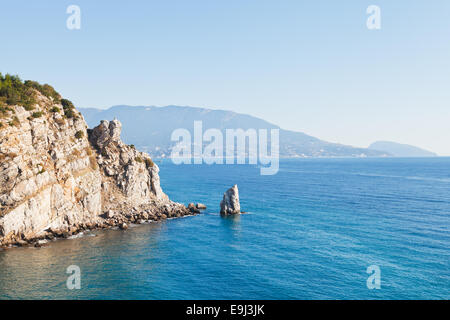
x,y
58,178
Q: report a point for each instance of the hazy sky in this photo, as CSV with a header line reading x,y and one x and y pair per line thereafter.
x,y
310,66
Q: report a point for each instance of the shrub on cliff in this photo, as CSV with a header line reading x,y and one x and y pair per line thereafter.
x,y
4,110
46,89
29,103
149,163
79,134
37,114
69,109
67,104
15,92
15,122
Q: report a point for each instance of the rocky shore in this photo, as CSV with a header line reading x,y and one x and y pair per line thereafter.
x,y
110,219
57,178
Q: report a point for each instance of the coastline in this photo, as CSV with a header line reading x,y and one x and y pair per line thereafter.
x,y
59,178
120,220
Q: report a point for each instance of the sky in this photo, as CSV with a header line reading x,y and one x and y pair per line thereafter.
x,y
309,66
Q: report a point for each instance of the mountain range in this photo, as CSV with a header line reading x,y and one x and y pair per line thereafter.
x,y
401,150
149,128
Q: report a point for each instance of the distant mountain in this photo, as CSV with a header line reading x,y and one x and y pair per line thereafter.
x,y
150,129
400,150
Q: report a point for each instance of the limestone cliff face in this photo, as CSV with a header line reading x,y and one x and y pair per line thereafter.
x,y
127,170
130,180
56,178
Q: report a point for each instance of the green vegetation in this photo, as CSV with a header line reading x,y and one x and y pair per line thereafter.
x,y
15,92
46,89
69,109
4,111
79,134
67,104
149,163
40,168
37,114
15,122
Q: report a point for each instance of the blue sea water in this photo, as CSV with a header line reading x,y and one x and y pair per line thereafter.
x,y
311,232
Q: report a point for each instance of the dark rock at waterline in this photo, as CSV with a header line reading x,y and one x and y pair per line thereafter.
x,y
121,219
123,226
201,206
193,208
22,243
109,214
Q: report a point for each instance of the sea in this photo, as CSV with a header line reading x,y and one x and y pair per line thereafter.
x,y
373,228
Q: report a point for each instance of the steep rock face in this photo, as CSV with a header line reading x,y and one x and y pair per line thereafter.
x,y
130,179
230,203
48,176
55,181
132,172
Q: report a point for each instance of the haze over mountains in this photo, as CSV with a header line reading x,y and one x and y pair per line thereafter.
x,y
150,129
401,150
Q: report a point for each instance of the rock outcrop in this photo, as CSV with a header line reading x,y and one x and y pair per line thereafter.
x,y
57,178
230,202
200,206
126,171
193,208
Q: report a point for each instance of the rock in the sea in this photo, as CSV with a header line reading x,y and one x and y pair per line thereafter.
x,y
201,206
123,226
193,208
230,202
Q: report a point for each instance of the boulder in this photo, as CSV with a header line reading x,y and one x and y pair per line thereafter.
x,y
110,214
201,206
123,226
230,202
193,208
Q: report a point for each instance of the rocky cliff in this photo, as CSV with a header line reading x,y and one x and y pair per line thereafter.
x,y
57,178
